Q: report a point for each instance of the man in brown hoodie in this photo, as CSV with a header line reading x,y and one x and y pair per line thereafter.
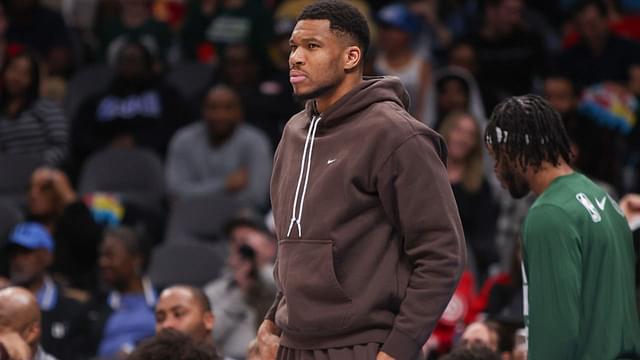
x,y
370,246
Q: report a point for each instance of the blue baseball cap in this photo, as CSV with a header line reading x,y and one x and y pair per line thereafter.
x,y
400,17
31,235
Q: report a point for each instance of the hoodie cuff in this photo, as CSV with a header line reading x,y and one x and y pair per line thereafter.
x,y
400,346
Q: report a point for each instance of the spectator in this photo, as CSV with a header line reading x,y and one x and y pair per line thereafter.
x,y
447,20
267,100
508,227
598,151
173,345
30,249
124,317
472,353
279,48
397,57
453,89
211,26
35,26
501,297
463,55
249,229
600,55
137,110
19,313
185,309
133,23
630,206
458,314
53,202
242,296
621,20
220,154
481,333
29,124
509,55
471,189
13,347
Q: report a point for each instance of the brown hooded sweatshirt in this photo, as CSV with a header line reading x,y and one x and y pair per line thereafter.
x,y
370,245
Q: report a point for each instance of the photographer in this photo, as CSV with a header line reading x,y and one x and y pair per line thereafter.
x,y
242,296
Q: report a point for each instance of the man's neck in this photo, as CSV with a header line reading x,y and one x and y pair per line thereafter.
x,y
540,181
133,287
325,102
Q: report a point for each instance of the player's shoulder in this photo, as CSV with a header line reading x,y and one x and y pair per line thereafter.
x,y
389,125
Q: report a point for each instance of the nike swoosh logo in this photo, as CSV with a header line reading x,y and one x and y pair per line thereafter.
x,y
329,162
602,202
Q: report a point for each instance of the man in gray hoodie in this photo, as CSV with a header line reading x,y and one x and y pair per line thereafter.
x,y
220,154
370,246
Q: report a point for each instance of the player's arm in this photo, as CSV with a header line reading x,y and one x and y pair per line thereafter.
x,y
416,195
553,263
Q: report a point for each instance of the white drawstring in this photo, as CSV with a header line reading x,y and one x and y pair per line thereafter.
x,y
306,179
310,137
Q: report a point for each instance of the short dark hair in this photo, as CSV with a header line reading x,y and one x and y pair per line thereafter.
x,y
197,293
474,352
134,240
528,130
343,17
170,344
33,89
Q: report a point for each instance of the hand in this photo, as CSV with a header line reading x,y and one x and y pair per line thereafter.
x,y
268,340
242,275
384,356
237,180
16,347
630,205
57,180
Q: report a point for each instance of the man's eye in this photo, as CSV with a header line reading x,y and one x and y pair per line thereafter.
x,y
313,46
293,47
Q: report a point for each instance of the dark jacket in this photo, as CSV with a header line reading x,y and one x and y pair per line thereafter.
x,y
63,323
77,238
378,250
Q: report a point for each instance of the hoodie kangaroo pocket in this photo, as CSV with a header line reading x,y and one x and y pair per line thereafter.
x,y
315,300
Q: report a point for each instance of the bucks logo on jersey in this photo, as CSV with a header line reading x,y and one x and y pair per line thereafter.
x,y
601,205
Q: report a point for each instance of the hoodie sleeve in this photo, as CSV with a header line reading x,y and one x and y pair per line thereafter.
x,y
417,197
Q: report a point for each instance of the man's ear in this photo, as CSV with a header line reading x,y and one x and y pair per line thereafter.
x,y
209,320
353,57
32,334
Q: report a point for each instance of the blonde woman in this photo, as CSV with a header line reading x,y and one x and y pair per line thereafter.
x,y
471,189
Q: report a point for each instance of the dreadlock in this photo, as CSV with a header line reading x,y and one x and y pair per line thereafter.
x,y
528,131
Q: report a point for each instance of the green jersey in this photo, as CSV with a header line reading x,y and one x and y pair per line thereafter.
x,y
579,265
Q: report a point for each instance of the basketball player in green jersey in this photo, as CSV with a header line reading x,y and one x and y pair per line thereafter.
x,y
578,252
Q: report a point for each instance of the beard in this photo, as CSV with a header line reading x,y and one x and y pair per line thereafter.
x,y
22,278
517,186
318,92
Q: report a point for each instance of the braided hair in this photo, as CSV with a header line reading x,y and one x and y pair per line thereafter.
x,y
528,131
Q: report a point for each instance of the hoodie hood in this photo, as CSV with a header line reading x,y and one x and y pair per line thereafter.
x,y
476,108
371,90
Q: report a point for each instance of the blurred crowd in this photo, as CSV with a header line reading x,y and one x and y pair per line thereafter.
x,y
136,145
